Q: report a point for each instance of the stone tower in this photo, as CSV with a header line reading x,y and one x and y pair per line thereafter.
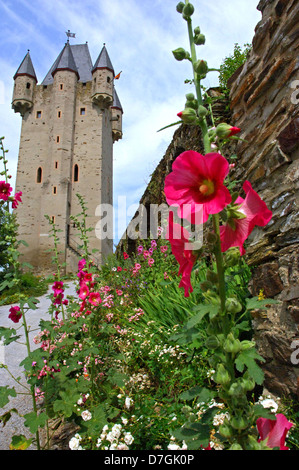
x,y
69,124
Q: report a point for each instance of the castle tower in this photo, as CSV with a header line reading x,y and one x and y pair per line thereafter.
x,y
69,124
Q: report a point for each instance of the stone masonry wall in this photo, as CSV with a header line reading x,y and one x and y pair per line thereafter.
x,y
264,104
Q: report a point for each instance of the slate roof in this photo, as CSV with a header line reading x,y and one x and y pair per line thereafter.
x,y
103,61
116,102
72,57
26,68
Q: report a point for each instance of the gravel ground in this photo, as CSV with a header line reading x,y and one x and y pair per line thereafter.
x,y
12,355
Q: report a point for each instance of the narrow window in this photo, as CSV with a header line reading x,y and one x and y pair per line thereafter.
x,y
38,114
56,165
108,79
59,114
54,190
82,111
45,87
61,86
76,173
57,139
28,85
39,175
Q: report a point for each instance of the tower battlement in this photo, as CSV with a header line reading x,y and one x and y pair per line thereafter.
x,y
69,124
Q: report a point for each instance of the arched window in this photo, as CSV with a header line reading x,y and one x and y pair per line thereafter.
x,y
39,175
28,85
76,173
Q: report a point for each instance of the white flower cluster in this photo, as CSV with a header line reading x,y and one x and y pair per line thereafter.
x,y
174,446
117,437
140,381
74,443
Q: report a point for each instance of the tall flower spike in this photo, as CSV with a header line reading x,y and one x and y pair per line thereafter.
x,y
196,185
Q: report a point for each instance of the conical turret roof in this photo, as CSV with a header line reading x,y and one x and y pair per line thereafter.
x,y
65,61
103,61
116,101
26,68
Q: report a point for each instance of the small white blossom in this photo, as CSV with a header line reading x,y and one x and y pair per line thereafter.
x,y
86,415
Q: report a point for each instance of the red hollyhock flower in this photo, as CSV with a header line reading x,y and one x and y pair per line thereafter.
x,y
196,185
95,298
84,291
179,240
17,199
254,211
126,256
5,190
274,432
15,314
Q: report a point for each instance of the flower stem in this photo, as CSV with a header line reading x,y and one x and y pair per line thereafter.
x,y
203,122
32,386
219,262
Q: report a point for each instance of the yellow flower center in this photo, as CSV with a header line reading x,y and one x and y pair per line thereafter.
x,y
207,187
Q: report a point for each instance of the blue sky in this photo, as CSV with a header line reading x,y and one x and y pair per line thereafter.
x,y
139,37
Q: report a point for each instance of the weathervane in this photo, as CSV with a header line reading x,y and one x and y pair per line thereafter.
x,y
70,35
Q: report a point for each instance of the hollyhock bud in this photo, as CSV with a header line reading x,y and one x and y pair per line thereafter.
x,y
221,375
180,7
202,111
188,10
232,345
225,429
232,305
212,342
188,116
180,54
197,31
199,39
201,67
224,131
239,423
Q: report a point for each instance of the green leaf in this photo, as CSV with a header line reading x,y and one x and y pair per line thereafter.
x,y
248,359
203,394
7,334
261,412
170,125
6,417
196,435
20,443
67,402
34,421
202,310
254,303
6,392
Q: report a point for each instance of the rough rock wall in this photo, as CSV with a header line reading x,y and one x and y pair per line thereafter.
x,y
264,104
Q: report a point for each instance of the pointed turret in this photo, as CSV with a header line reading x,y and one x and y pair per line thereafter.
x,y
103,75
25,81
117,113
65,61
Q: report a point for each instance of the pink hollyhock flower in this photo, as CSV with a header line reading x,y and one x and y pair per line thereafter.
x,y
179,239
81,264
196,185
17,199
140,249
5,190
95,298
57,288
146,254
236,231
274,432
84,291
87,277
151,261
164,248
15,314
154,244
